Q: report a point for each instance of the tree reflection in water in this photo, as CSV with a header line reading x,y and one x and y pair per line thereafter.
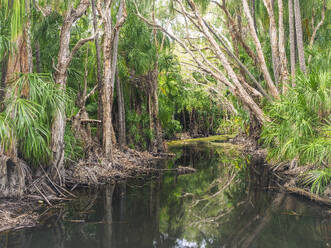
x,y
227,203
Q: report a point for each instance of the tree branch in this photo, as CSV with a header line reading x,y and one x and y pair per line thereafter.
x,y
78,45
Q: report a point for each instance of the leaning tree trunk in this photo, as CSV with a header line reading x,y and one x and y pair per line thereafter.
x,y
292,36
298,27
262,63
238,90
64,58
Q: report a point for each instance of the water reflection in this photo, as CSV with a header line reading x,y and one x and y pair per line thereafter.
x,y
227,203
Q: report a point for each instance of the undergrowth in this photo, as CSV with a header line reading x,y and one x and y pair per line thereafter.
x,y
301,127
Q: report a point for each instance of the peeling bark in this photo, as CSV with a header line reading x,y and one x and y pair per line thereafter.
x,y
106,93
64,58
107,85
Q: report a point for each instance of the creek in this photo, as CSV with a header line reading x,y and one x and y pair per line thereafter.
x,y
230,201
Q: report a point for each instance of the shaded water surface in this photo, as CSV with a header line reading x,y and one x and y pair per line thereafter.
x,y
228,202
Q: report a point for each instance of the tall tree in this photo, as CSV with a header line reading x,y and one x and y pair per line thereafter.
x,y
155,125
281,46
292,36
272,88
299,35
99,65
107,85
121,16
121,112
273,39
64,58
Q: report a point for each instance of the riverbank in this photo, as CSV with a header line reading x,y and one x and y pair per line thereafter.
x,y
230,201
290,174
21,212
128,163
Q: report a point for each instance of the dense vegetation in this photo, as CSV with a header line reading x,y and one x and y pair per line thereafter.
x,y
81,74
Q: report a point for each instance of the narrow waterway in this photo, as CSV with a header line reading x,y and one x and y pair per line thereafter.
x,y
230,202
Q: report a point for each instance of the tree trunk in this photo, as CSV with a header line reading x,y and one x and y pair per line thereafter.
x,y
115,44
262,63
238,91
121,14
312,38
155,125
292,36
253,12
273,39
107,86
298,27
121,113
281,46
106,93
64,59
27,36
99,67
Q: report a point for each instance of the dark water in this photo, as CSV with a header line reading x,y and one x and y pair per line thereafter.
x,y
229,202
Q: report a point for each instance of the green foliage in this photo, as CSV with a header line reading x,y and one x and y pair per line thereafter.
x,y
233,125
15,13
318,180
73,150
300,120
5,44
138,129
138,45
26,120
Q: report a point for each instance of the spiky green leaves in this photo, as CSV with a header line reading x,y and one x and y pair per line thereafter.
x,y
301,120
317,180
29,107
